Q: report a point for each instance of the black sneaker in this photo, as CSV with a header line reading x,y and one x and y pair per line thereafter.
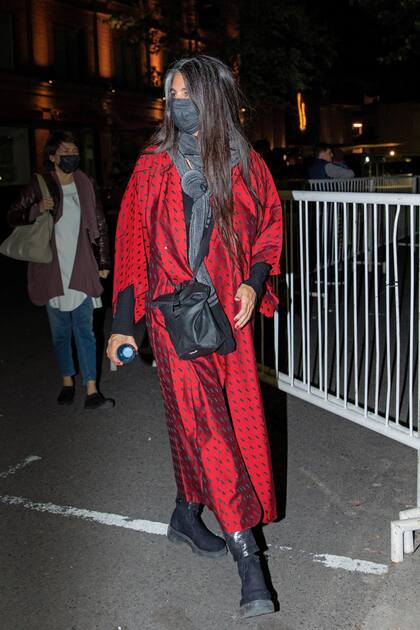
x,y
96,401
66,396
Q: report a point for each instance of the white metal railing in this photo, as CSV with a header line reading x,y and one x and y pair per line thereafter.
x,y
350,296
385,183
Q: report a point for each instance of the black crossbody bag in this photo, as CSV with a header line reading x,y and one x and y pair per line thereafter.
x,y
189,320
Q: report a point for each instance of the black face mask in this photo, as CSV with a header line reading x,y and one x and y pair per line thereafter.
x,y
185,115
69,163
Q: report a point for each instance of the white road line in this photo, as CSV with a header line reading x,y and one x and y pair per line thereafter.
x,y
116,520
13,469
341,562
154,527
349,564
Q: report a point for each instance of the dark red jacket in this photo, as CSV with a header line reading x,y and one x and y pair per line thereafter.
x,y
44,280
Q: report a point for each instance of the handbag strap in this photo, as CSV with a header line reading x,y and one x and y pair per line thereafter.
x,y
200,257
203,249
43,185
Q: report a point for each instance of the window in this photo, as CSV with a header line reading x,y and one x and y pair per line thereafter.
x,y
7,45
174,11
208,14
14,156
69,52
126,58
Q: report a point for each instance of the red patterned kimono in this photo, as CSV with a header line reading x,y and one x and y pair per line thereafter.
x,y
213,404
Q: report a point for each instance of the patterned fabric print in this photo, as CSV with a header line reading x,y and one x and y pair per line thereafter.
x,y
208,465
131,240
247,412
221,461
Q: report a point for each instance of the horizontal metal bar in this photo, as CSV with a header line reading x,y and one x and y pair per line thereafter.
x,y
405,199
332,404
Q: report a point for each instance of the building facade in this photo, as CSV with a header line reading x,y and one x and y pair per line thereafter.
x,y
63,65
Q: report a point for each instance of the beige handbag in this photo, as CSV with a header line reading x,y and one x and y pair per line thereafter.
x,y
32,242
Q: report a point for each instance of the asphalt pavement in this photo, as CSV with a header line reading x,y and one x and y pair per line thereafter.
x,y
85,497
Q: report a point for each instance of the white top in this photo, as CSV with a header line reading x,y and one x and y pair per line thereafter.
x,y
66,237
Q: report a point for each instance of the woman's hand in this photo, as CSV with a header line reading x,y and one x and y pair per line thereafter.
x,y
46,204
103,273
248,298
114,342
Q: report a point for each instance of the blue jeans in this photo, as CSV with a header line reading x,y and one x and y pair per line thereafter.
x,y
77,323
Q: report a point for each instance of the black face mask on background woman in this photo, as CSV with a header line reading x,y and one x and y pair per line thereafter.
x,y
69,163
185,115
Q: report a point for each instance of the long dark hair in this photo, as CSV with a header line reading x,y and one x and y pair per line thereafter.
x,y
213,89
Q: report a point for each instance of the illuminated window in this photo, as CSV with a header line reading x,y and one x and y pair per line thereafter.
x,y
357,128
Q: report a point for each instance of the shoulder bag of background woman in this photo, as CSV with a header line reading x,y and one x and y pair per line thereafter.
x,y
188,317
32,242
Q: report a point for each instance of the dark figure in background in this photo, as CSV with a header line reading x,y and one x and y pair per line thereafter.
x,y
323,166
70,285
200,182
262,146
339,160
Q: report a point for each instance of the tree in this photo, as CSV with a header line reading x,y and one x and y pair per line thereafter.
x,y
283,47
154,23
398,28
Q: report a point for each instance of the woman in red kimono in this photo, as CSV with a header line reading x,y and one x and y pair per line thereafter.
x,y
200,182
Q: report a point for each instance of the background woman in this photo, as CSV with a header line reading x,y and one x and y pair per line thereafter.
x,y
70,285
200,182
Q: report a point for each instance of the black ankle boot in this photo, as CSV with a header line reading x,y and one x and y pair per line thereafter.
x,y
186,526
256,598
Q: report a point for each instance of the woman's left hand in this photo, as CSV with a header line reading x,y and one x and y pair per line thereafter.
x,y
248,298
104,273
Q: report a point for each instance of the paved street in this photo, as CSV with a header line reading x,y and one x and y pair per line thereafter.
x,y
85,497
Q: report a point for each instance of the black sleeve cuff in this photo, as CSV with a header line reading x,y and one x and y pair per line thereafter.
x,y
257,277
123,323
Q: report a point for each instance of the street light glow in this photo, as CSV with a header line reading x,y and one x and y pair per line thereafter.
x,y
301,111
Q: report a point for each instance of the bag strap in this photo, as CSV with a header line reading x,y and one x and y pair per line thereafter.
x,y
43,185
203,249
200,257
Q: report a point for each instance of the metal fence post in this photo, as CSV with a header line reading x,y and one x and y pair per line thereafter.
x,y
418,355
418,478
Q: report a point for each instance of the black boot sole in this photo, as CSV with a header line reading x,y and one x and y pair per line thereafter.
x,y
177,538
256,608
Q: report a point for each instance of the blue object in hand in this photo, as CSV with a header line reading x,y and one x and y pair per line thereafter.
x,y
126,352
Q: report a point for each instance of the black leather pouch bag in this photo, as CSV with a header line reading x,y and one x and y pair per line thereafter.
x,y
189,320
